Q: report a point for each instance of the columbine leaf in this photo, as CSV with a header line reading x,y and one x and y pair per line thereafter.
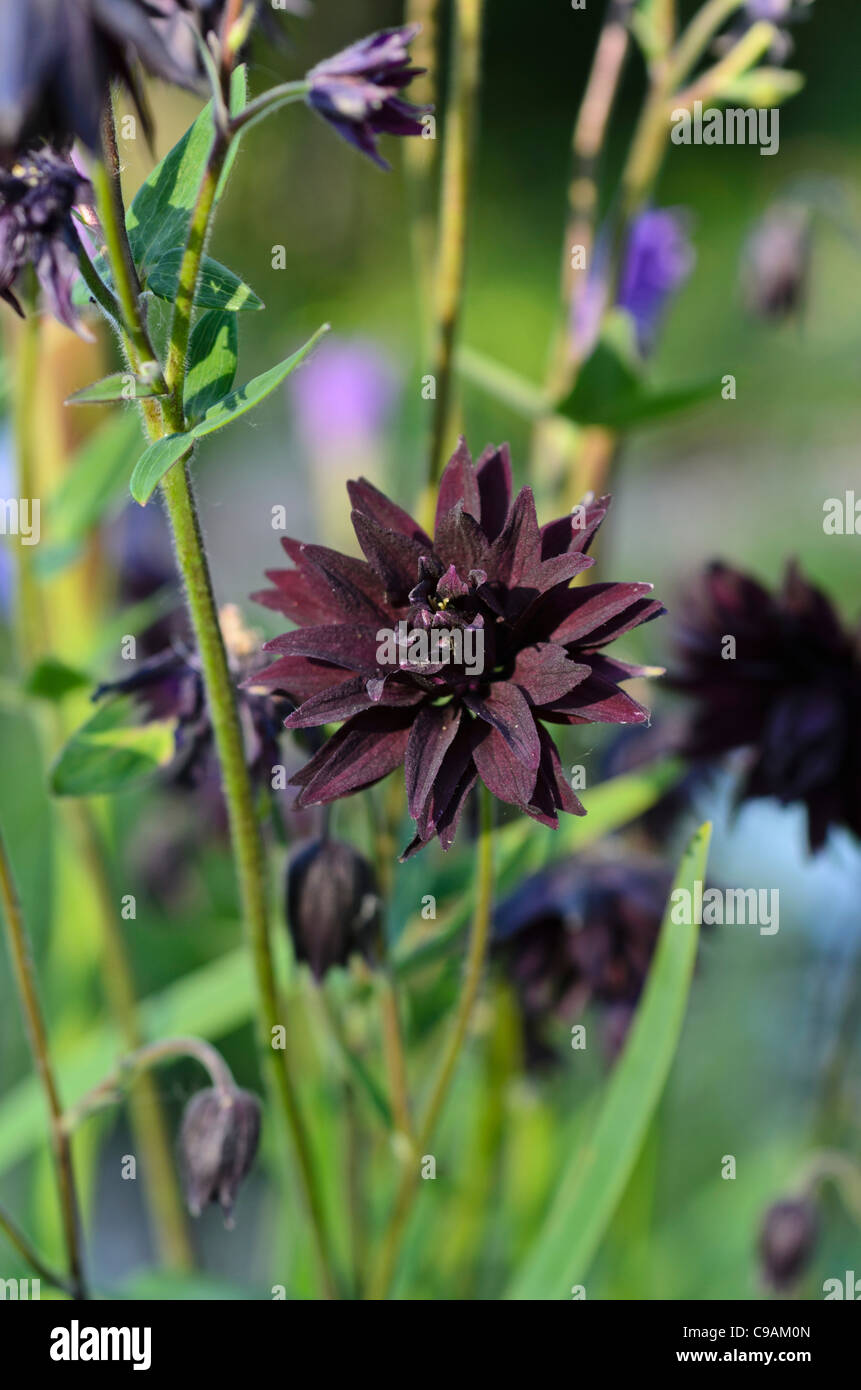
x,y
159,218
112,752
155,462
212,354
51,679
159,457
597,1173
217,288
122,386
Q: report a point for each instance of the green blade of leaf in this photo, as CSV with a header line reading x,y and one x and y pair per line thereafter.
x,y
213,354
51,679
155,462
217,288
596,1176
122,386
254,391
112,752
96,479
159,218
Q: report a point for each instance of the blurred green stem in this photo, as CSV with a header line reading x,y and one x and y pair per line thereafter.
x,y
221,700
25,981
418,156
460,122
20,1242
478,944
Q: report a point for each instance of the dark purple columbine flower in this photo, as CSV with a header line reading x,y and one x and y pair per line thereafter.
x,y
787,1240
787,686
453,655
59,57
333,905
37,195
656,262
218,1142
358,90
577,932
776,263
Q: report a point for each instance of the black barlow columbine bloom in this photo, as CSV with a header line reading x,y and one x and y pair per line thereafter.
x,y
218,1142
776,262
358,90
787,1239
37,195
452,655
333,905
791,692
59,57
576,933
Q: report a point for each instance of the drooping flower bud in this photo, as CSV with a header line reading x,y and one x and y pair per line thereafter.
x,y
776,264
786,1240
333,905
218,1142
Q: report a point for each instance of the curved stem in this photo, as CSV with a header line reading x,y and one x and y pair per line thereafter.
x,y
21,1243
109,1091
22,965
460,124
478,944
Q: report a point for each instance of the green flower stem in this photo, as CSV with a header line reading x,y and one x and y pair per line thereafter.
x,y
418,157
98,289
191,557
20,1242
25,980
478,944
109,1091
460,122
697,37
265,105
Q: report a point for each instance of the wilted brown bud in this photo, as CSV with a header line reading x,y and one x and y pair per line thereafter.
x,y
787,1239
218,1141
333,905
776,262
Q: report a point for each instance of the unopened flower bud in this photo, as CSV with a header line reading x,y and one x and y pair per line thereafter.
x,y
218,1142
786,1241
776,262
333,905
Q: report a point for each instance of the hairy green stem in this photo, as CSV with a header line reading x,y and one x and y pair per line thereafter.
x,y
478,944
460,122
25,980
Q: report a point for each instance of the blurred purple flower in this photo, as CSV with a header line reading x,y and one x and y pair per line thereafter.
x,y
776,262
358,90
343,397
37,195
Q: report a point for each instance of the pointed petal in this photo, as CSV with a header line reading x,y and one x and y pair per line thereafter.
x,y
507,709
349,698
430,739
461,541
458,484
394,556
353,647
364,750
368,500
354,589
577,530
545,672
493,472
593,605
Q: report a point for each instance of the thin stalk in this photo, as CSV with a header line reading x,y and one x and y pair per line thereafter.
x,y
221,700
25,980
27,451
266,105
478,943
395,1052
697,37
109,1091
21,1243
98,289
418,157
460,122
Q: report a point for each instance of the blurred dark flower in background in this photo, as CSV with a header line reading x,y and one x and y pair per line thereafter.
x,y
577,932
789,689
776,262
490,572
333,905
37,195
218,1142
358,90
170,685
657,259
787,1239
59,57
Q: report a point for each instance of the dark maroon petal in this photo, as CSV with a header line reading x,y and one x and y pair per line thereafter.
x,y
364,750
354,589
550,773
493,472
458,484
460,540
500,771
643,611
545,673
300,677
598,702
353,647
431,737
516,549
368,500
576,531
349,698
592,605
507,709
393,556
456,765
297,598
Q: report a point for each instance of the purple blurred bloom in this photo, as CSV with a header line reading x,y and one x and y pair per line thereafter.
x,y
37,195
777,12
358,90
658,260
776,262
343,396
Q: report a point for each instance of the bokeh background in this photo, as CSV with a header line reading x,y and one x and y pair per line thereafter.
x,y
744,480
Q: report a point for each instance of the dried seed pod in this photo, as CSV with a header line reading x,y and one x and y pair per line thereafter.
x,y
218,1141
